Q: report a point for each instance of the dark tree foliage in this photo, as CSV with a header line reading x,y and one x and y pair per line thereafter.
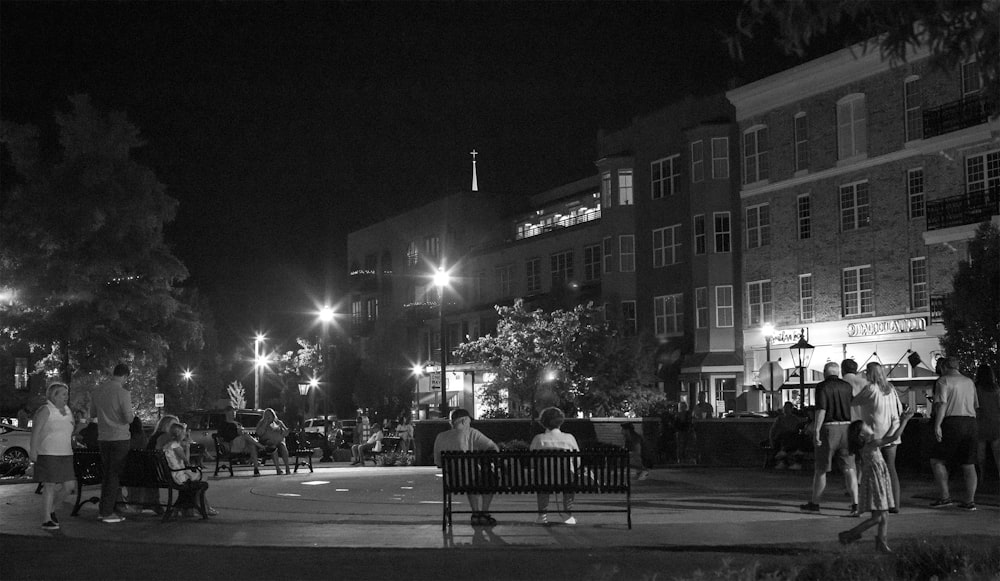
x,y
82,247
955,31
972,312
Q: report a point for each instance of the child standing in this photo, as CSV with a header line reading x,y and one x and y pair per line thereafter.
x,y
875,486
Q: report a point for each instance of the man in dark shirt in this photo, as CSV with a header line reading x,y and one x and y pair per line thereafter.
x,y
833,418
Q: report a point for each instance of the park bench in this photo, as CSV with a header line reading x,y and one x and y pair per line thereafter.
x,y
143,469
224,458
592,471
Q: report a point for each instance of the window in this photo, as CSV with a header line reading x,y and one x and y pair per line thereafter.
x,y
701,307
505,276
919,298
852,138
668,314
412,254
432,245
592,263
972,81
626,252
800,130
720,158
912,115
561,267
724,306
755,164
20,373
982,172
625,187
915,192
806,307
608,252
371,309
723,232
758,226
759,306
664,175
855,212
805,216
858,291
606,189
357,315
628,318
533,275
666,245
697,161
699,234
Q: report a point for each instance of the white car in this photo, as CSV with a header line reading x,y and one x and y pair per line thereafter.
x,y
14,443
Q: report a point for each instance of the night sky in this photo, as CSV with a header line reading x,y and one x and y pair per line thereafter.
x,y
282,127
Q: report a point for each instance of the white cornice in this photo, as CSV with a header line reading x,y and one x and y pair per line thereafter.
x,y
812,78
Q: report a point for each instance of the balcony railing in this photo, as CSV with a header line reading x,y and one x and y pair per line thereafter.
x,y
967,112
937,307
563,222
971,208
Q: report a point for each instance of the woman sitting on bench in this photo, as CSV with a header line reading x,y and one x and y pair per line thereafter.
x,y
374,444
239,441
272,432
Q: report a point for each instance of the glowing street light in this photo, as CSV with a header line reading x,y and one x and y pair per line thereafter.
x,y
326,315
258,364
441,280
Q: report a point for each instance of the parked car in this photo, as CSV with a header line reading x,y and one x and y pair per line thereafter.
x,y
204,423
14,445
315,429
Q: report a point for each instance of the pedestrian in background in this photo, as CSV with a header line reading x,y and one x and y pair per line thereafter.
x,y
833,418
112,406
988,419
955,403
633,442
51,450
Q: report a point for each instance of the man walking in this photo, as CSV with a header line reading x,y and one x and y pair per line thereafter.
x,y
955,405
112,406
833,417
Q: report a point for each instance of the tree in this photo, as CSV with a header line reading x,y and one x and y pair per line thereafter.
x,y
82,247
565,358
972,311
955,31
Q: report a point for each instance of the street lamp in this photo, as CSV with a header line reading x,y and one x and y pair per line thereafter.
x,y
258,343
802,353
326,317
768,331
441,280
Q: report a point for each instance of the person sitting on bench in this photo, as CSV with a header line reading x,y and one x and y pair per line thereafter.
x,y
272,432
240,442
374,444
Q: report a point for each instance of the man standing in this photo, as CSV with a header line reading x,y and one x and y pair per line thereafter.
x,y
849,371
702,410
463,437
955,405
112,406
833,417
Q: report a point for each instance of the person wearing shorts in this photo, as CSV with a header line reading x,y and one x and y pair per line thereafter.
x,y
833,417
955,405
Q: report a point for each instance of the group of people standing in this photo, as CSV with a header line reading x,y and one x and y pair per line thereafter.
x,y
860,416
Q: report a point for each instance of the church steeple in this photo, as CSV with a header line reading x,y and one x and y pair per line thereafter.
x,y
475,180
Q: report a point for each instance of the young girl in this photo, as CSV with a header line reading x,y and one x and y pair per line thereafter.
x,y
875,487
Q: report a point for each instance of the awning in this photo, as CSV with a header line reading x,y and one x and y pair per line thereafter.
x,y
712,362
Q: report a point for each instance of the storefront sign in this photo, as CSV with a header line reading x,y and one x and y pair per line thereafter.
x,y
890,327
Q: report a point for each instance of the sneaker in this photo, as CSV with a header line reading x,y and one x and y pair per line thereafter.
x,y
211,512
852,511
50,526
941,502
643,475
52,518
542,519
894,510
112,518
570,521
809,507
967,506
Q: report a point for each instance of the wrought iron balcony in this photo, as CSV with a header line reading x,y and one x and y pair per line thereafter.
x,y
967,112
971,208
937,307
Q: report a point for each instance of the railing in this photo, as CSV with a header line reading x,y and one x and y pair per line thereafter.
x,y
970,208
564,222
937,307
967,112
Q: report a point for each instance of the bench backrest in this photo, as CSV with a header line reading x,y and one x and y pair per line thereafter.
x,y
145,468
87,466
598,471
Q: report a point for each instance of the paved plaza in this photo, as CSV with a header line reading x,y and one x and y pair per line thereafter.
x,y
691,509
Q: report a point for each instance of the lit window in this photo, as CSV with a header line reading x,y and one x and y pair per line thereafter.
x,y
858,291
625,187
412,254
852,137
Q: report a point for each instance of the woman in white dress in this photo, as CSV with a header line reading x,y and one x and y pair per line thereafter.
x,y
880,410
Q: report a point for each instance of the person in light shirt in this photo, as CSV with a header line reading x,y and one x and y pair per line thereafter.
x,y
554,439
462,437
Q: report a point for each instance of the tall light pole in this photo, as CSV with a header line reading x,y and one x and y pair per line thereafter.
x,y
325,318
441,280
768,331
258,343
802,353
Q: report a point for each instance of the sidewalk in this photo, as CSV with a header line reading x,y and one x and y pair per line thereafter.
x,y
400,507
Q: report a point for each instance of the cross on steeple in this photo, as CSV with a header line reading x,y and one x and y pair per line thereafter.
x,y
475,180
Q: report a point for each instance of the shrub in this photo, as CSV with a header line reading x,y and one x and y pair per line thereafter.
x,y
513,445
395,459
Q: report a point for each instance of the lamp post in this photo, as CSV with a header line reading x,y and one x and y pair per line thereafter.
x,y
441,280
325,317
304,391
802,353
768,331
258,343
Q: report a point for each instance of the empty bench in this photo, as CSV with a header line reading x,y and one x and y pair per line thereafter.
x,y
593,471
142,469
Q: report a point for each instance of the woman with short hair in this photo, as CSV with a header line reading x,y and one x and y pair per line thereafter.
x,y
52,450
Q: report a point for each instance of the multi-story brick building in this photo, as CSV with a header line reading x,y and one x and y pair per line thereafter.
x,y
861,186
